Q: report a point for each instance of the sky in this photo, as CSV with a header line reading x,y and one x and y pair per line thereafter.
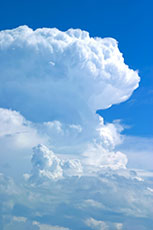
x,y
76,115
129,22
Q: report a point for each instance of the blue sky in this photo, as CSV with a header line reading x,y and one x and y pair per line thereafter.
x,y
129,22
62,166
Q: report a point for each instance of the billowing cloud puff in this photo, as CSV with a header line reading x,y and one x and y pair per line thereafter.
x,y
101,152
97,156
46,165
97,151
46,67
110,133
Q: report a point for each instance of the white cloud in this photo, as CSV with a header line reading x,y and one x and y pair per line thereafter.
x,y
72,167
119,226
110,133
107,200
101,152
18,225
18,135
46,165
76,127
22,223
7,185
63,76
96,224
54,126
48,227
92,203
57,80
15,129
100,157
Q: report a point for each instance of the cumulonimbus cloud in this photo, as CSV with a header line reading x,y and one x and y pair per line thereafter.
x,y
52,83
61,79
65,76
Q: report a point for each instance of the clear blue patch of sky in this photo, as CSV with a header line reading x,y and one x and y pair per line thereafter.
x,y
128,21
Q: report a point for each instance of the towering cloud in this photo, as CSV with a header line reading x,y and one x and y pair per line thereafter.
x,y
60,79
52,84
65,76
